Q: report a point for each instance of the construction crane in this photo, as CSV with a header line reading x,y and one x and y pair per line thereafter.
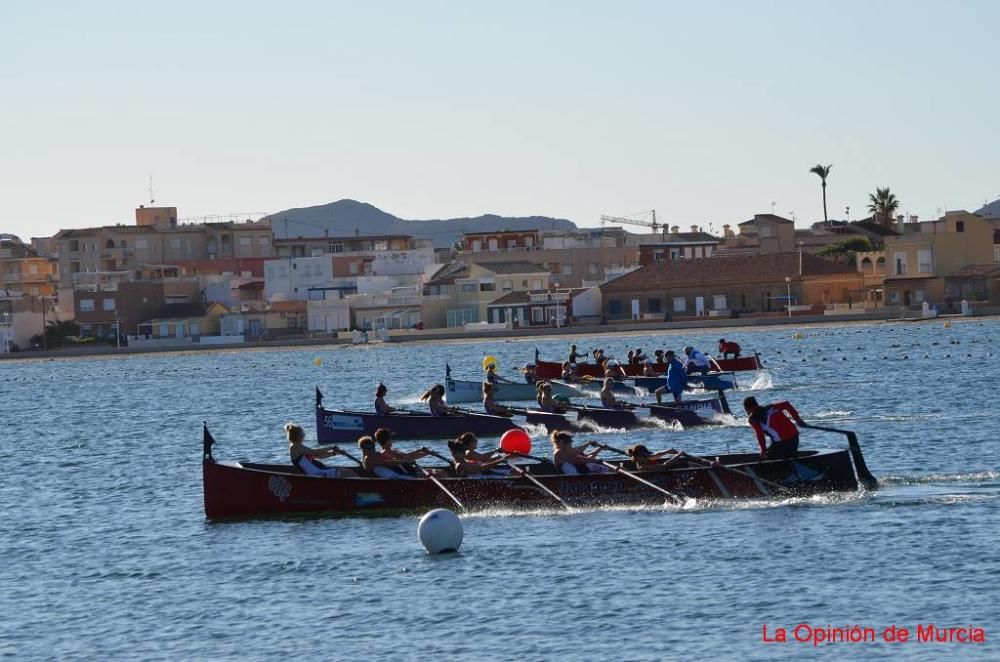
x,y
647,219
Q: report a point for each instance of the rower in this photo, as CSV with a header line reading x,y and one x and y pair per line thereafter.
x,y
463,468
490,405
676,378
471,442
574,460
574,356
306,459
383,436
382,407
380,465
772,420
727,347
568,374
529,373
492,377
638,358
546,402
660,363
696,361
645,460
608,396
614,370
434,398
647,369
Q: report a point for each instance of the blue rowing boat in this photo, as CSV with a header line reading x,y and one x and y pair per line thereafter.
x,y
713,381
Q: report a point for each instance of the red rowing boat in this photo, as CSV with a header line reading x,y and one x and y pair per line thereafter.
x,y
235,489
553,369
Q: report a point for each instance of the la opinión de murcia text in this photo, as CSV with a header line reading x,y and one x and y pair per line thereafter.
x,y
804,633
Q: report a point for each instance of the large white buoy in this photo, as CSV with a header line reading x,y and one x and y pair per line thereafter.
x,y
439,531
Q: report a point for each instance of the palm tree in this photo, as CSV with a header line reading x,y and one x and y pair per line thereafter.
x,y
823,171
883,205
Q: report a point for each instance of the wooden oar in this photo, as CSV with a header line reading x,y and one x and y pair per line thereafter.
x,y
864,475
525,474
440,485
682,501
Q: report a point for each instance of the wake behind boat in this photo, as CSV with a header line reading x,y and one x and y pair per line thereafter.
x,y
339,425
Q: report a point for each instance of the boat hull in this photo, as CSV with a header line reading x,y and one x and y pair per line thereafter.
x,y
458,390
713,381
337,426
235,490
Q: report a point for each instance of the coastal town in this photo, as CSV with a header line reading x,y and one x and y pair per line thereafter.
x,y
161,281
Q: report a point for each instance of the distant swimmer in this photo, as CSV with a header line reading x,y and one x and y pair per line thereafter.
x,y
772,421
727,347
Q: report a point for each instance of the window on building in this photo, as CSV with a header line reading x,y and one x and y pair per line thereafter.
x,y
460,316
507,285
924,264
658,255
141,244
487,287
246,241
680,304
615,307
567,269
529,242
74,245
765,231
337,247
87,305
719,302
959,226
511,243
592,268
469,287
108,304
354,268
536,284
893,297
653,305
493,244
263,241
900,260
918,296
524,284
538,315
164,330
194,329
477,246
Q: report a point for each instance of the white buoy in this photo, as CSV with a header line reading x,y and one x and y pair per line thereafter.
x,y
439,531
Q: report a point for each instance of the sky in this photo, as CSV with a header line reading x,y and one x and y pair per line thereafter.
x,y
706,112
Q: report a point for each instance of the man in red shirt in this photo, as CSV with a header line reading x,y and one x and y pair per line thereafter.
x,y
772,420
727,347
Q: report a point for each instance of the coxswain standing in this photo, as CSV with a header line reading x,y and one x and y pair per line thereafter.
x,y
676,378
575,356
727,347
772,421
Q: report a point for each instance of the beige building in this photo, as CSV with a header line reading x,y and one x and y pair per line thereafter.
x,y
129,247
473,286
919,261
23,268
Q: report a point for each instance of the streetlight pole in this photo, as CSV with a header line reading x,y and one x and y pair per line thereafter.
x,y
6,332
788,288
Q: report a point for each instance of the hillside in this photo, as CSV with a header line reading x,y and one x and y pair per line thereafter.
x,y
349,217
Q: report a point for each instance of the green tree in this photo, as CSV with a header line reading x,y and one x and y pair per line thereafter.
x,y
883,204
845,251
57,332
822,171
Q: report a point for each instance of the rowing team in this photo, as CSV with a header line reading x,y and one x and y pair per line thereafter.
x,y
381,460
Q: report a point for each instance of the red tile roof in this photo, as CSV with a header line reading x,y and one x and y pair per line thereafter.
x,y
727,270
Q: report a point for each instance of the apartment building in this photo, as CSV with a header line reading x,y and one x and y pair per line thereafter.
x,y
473,286
23,268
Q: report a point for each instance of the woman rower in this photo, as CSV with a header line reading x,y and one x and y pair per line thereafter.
x,y
647,369
547,402
569,373
382,407
464,468
608,398
490,405
573,460
380,465
307,459
434,398
530,377
614,370
471,442
492,377
647,461
383,436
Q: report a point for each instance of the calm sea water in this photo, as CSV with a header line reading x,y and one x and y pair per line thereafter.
x,y
106,553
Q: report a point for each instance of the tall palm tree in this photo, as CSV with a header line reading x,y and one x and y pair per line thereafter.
x,y
823,171
883,205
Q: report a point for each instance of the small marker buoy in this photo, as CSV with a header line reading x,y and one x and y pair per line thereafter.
x,y
439,531
947,325
317,361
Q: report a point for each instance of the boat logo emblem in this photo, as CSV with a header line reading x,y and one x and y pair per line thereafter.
x,y
280,487
368,499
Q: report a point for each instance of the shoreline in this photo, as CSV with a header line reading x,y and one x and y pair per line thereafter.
x,y
448,335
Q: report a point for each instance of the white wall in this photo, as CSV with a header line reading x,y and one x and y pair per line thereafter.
x,y
588,303
328,315
293,278
396,263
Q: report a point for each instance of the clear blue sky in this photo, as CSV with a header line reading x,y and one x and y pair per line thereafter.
x,y
706,112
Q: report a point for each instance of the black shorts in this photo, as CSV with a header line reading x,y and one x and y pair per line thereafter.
x,y
784,449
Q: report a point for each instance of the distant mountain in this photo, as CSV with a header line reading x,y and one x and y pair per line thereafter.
x,y
346,218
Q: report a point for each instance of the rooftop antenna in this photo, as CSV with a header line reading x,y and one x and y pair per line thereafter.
x,y
151,200
773,203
